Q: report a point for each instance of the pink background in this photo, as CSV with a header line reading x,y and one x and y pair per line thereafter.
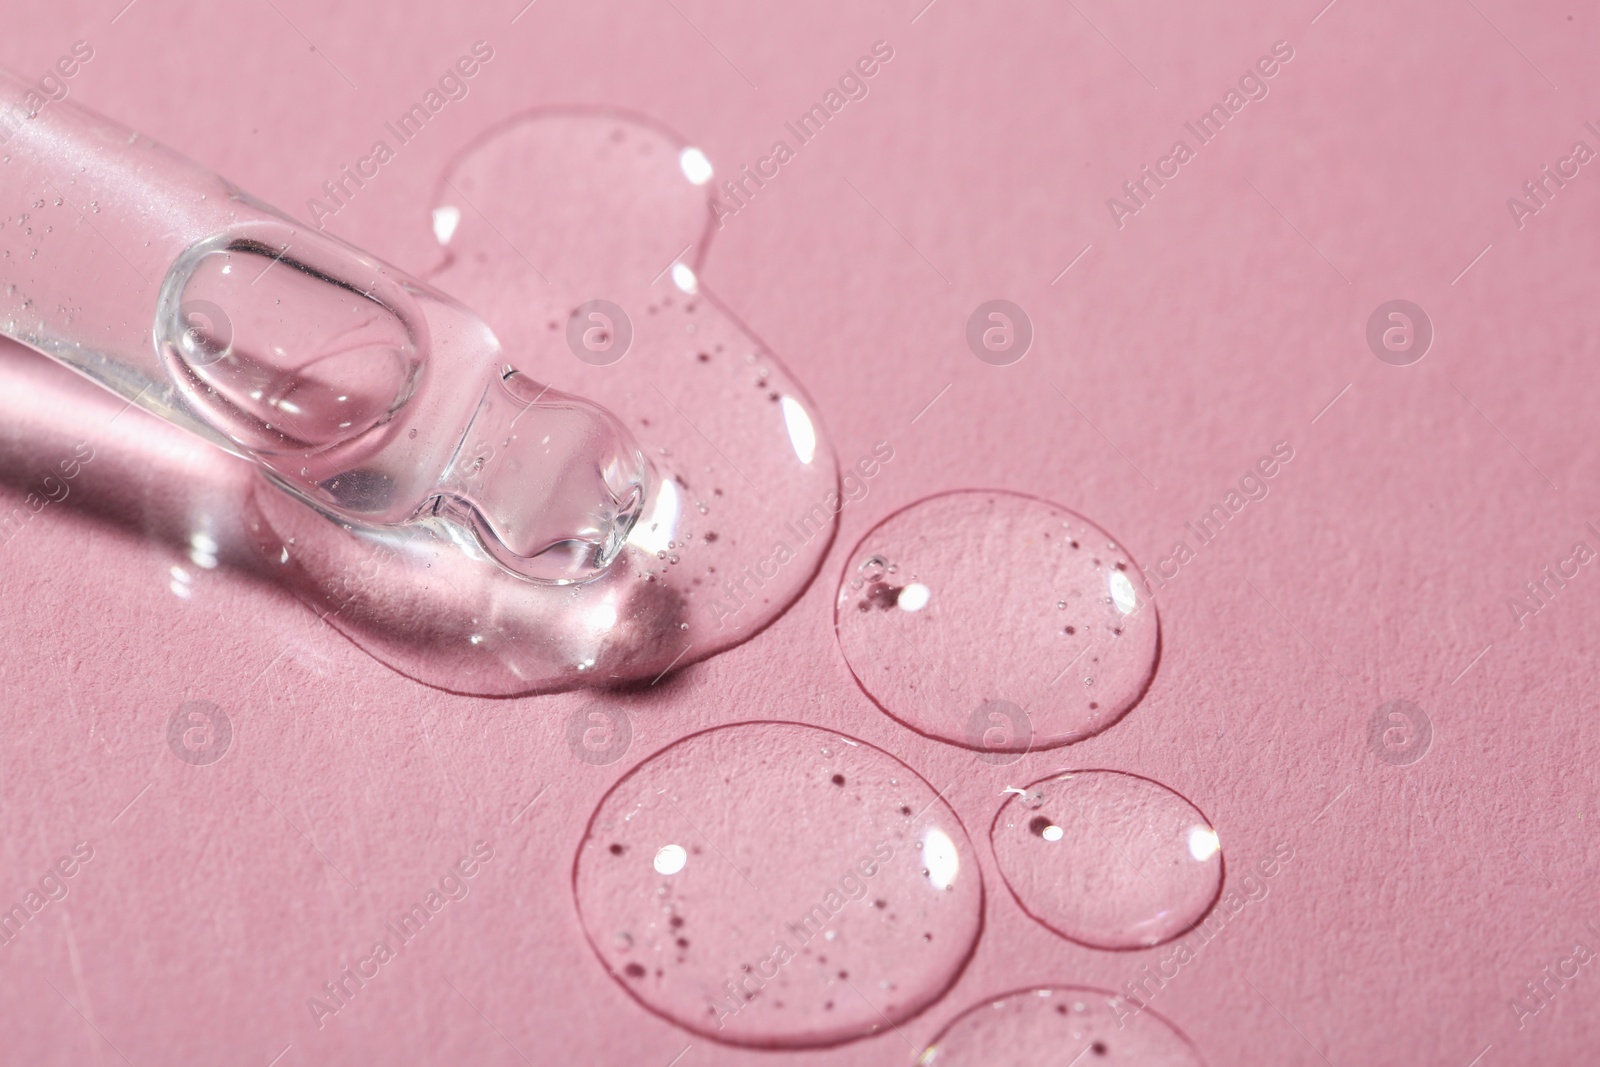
x,y
1218,321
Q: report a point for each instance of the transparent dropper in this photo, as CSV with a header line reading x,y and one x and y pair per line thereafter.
x,y
364,392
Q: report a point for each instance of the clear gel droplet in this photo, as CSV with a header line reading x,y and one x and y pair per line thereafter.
x,y
1107,859
1060,1026
764,885
971,599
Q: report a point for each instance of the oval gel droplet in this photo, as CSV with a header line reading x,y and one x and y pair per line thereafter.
x,y
970,600
1107,859
776,885
1060,1026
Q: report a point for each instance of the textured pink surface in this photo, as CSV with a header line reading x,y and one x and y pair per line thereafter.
x,y
1218,320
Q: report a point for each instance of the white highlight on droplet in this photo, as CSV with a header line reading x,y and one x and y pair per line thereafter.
x,y
203,550
940,857
653,532
802,435
683,277
1203,843
670,859
914,597
602,618
696,167
1122,594
445,221
1052,833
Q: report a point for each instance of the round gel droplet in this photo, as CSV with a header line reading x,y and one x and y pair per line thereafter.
x,y
972,599
776,885
1060,1026
1107,859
